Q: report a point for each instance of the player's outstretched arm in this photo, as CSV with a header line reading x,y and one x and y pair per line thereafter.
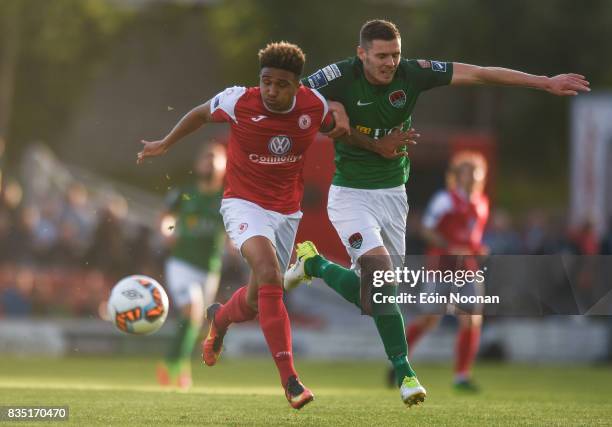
x,y
561,85
388,146
190,122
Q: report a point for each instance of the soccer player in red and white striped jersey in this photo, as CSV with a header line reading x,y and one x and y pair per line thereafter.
x,y
454,224
271,127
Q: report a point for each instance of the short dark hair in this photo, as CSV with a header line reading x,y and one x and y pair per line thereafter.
x,y
284,55
378,29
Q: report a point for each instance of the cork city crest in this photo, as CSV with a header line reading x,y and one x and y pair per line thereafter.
x,y
397,98
355,240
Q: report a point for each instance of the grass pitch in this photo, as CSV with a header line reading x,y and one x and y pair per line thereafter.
x,y
122,391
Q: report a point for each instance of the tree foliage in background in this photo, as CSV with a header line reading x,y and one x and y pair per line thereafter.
x,y
326,31
60,44
546,37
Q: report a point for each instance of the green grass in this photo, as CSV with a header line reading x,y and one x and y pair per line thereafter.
x,y
122,391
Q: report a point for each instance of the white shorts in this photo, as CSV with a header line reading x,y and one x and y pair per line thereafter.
x,y
244,220
188,284
366,219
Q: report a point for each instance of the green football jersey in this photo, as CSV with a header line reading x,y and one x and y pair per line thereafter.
x,y
199,229
375,110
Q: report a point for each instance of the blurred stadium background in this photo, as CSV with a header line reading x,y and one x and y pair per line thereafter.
x,y
82,81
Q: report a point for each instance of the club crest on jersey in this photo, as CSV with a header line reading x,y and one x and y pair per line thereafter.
x,y
279,145
304,121
242,227
397,98
355,240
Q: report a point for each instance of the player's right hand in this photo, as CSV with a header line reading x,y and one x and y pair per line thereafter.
x,y
389,145
342,124
151,149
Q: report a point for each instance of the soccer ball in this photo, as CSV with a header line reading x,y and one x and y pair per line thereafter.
x,y
138,305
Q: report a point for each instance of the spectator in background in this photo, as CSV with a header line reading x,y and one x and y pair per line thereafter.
x,y
46,230
68,250
108,251
501,236
534,232
16,300
77,212
21,237
143,257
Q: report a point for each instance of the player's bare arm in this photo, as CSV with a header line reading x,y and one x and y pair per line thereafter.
x,y
562,85
190,122
388,146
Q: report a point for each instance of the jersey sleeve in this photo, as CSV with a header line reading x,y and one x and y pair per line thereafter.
x,y
428,74
439,206
328,81
223,105
326,114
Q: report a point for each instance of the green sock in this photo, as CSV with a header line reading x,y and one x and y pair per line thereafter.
x,y
390,325
340,279
182,345
402,368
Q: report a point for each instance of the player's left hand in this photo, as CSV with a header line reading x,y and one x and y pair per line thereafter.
x,y
341,120
151,149
390,145
567,84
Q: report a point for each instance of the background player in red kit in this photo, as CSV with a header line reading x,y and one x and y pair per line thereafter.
x,y
453,224
271,128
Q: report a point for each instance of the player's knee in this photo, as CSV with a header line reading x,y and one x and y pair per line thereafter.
x,y
373,263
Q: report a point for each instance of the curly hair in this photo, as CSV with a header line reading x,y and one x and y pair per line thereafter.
x,y
283,55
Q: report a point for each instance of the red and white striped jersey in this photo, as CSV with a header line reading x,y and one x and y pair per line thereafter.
x,y
266,148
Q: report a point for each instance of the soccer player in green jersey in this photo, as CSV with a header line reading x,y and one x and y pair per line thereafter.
x,y
367,200
193,269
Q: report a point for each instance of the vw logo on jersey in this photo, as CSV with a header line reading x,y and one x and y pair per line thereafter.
x,y
279,145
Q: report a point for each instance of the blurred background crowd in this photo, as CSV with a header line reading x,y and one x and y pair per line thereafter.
x,y
61,253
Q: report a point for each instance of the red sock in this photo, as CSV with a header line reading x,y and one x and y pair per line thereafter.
x,y
468,341
414,332
275,325
235,310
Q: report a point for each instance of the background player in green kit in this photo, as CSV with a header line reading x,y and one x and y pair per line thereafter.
x,y
367,200
193,269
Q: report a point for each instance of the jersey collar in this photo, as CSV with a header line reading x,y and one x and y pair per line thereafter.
x,y
281,112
